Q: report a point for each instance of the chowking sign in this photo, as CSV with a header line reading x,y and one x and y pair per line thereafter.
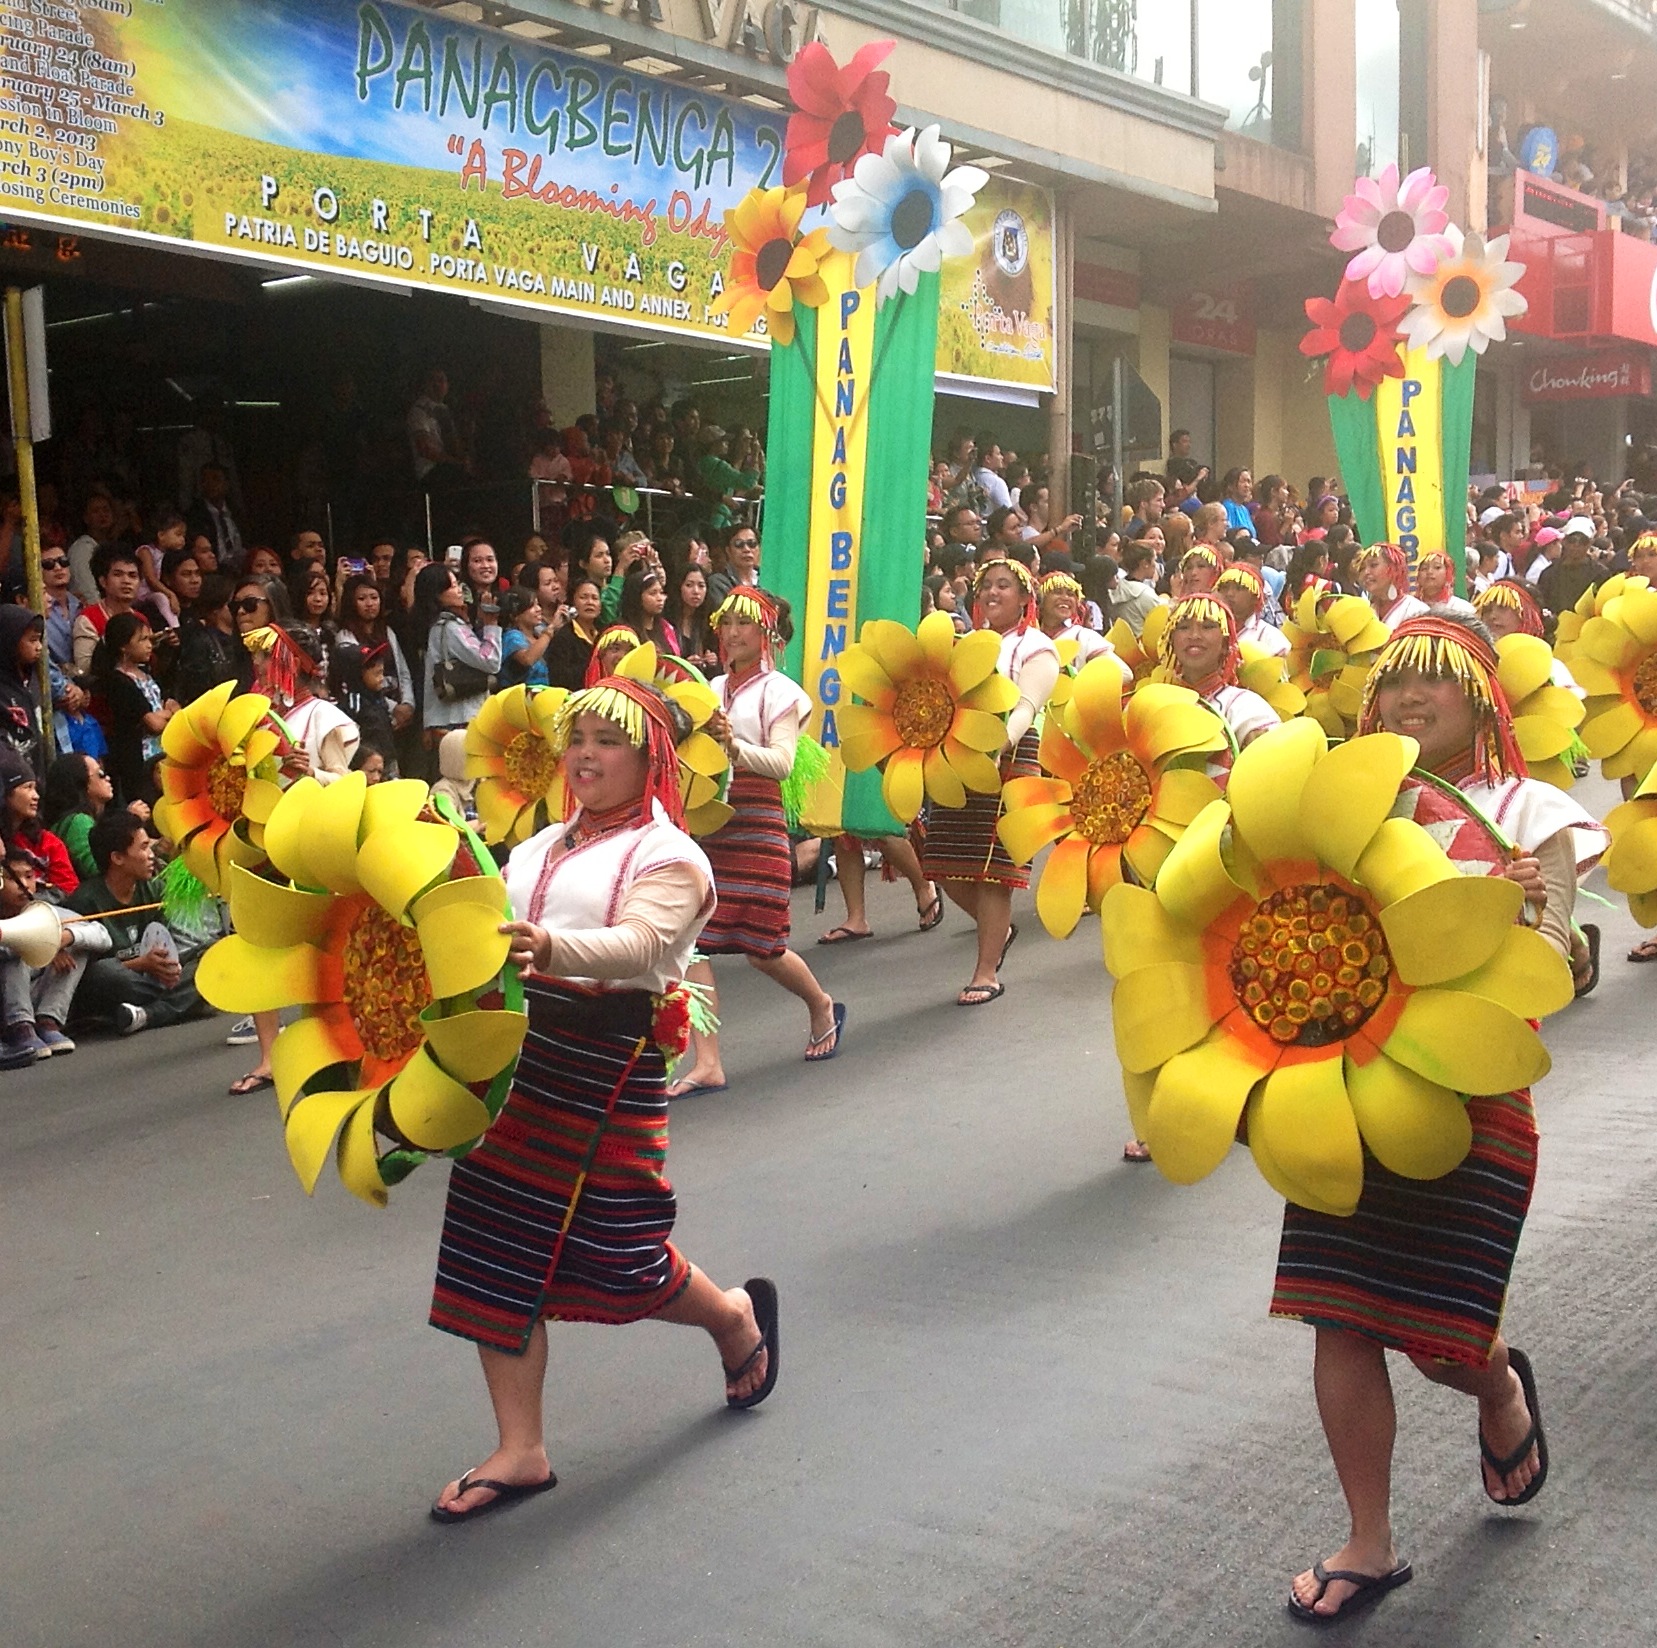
x,y
385,142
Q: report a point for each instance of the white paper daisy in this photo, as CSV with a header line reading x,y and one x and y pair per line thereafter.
x,y
1467,301
900,211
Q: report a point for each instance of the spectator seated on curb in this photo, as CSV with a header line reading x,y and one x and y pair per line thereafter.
x,y
35,1000
147,977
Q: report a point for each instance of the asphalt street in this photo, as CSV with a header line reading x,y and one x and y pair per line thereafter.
x,y
1029,1393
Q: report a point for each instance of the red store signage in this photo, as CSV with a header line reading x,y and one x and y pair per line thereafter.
x,y
1100,283
1217,317
1599,376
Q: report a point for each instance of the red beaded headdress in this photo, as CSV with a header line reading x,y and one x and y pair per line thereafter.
x,y
1428,556
752,603
1516,597
1444,649
616,635
1026,581
287,661
1243,575
1395,560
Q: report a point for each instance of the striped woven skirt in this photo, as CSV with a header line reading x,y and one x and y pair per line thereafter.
x,y
1423,1265
961,843
753,872
586,1121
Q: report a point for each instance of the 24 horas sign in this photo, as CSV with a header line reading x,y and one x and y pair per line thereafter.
x,y
387,143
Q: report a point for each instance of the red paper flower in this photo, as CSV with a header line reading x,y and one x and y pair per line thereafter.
x,y
843,115
670,1027
1359,335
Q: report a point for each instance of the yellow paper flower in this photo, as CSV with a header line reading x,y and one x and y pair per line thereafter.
x,y
1116,791
520,780
1631,860
1267,673
1333,640
1545,717
1141,653
773,266
387,956
703,763
1313,960
213,804
933,711
1610,646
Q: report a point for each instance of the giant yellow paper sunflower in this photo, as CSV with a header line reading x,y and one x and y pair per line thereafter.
x,y
773,266
1611,650
1267,673
1313,960
214,801
1118,789
1631,859
1333,640
703,764
933,712
520,782
1142,652
386,935
1545,717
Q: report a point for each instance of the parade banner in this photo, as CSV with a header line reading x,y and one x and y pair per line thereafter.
x,y
1400,341
390,144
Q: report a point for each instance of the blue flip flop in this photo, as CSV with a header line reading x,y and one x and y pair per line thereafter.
x,y
699,1087
834,1047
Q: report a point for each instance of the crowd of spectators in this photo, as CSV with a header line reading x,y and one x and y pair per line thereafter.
x,y
1629,191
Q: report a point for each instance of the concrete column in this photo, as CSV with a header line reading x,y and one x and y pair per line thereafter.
x,y
1061,407
1331,80
567,373
1154,338
1453,108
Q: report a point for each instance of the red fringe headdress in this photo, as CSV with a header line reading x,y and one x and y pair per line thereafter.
x,y
1516,597
1026,582
642,714
749,602
616,635
1396,561
1211,610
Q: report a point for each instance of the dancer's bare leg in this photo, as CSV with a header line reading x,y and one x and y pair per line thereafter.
x,y
706,1068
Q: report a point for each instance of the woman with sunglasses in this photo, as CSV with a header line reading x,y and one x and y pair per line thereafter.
x,y
76,793
258,603
209,649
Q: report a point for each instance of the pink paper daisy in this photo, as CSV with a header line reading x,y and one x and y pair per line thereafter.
x,y
1394,230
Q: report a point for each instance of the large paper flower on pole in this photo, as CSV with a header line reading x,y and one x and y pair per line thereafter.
x,y
1613,656
900,211
704,767
215,801
1332,644
1545,717
509,752
773,266
1466,301
933,712
1357,338
1393,230
1120,789
385,932
1317,964
842,115
1631,859
1142,653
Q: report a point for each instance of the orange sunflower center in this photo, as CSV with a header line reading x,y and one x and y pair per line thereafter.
x,y
1310,965
386,988
771,261
923,714
226,785
531,764
1644,685
1110,799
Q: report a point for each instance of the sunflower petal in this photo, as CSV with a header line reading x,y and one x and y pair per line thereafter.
x,y
357,1158
272,916
1158,1011
1465,1042
1414,1127
979,731
241,715
400,861
943,783
1194,883
1138,931
975,769
973,661
458,923
312,1126
1526,975
894,647
1195,1108
1401,859
995,693
1303,1118
333,829
1137,1090
474,1046
860,670
903,785
936,635
431,1109
1265,787
1179,796
1442,931
239,977
1349,794
1061,894
308,1046
286,834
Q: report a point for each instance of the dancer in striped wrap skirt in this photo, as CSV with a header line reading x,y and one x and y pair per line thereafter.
x,y
564,1212
759,722
1422,1267
963,853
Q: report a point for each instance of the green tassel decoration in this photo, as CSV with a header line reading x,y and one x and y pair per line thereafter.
x,y
811,765
187,904
703,1020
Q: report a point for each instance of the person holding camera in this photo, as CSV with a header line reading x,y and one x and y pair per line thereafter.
x,y
461,660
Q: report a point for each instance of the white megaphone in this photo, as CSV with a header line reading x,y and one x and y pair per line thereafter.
x,y
36,935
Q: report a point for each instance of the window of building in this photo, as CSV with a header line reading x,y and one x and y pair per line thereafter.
x,y
1379,62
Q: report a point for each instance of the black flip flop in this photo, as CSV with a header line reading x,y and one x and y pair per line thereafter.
x,y
932,916
1370,1589
764,1295
1012,936
506,1493
1520,1363
982,994
843,935
1591,934
831,1036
